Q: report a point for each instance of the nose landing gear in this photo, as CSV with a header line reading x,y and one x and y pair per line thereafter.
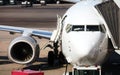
x,y
56,57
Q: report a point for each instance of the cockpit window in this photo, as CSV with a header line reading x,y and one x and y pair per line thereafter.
x,y
68,28
78,28
100,28
92,28
86,28
74,28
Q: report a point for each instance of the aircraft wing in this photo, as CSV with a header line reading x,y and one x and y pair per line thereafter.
x,y
26,31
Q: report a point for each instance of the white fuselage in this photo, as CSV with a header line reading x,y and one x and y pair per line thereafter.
x,y
84,38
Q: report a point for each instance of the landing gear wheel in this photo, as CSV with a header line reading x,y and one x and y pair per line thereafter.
x,y
62,59
51,58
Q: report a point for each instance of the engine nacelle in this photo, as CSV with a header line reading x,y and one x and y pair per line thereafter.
x,y
23,50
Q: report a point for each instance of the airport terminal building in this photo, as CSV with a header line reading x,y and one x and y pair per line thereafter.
x,y
14,2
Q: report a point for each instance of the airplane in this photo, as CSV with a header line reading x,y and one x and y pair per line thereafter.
x,y
43,2
73,1
82,34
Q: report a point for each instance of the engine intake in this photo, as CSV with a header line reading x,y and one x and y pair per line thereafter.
x,y
23,50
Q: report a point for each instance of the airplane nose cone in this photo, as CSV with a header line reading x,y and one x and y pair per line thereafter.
x,y
81,46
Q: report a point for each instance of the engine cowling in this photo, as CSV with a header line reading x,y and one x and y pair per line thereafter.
x,y
23,50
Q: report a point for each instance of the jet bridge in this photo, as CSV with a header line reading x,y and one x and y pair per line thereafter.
x,y
111,13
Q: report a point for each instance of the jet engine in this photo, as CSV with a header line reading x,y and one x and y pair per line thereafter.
x,y
23,50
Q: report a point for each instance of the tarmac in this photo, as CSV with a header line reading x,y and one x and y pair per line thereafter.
x,y
37,17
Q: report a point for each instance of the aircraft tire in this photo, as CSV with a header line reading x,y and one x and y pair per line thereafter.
x,y
51,58
62,59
